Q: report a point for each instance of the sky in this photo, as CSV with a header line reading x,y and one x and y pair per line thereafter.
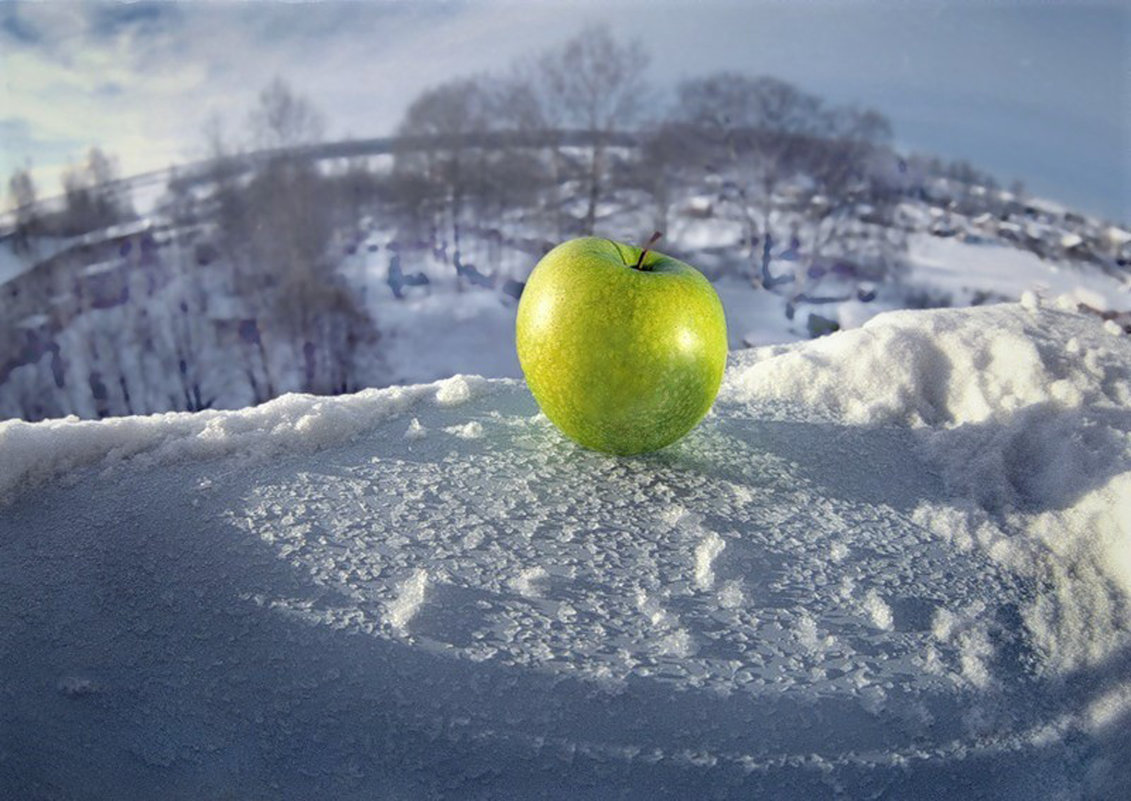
x,y
1037,91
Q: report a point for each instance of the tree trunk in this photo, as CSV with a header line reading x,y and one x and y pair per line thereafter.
x,y
767,279
556,192
595,165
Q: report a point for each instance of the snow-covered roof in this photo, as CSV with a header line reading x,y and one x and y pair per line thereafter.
x,y
1047,206
103,267
33,321
1117,235
700,203
116,231
891,561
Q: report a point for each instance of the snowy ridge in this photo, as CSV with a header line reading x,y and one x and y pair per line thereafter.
x,y
892,562
39,451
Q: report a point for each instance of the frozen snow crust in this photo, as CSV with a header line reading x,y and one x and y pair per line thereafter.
x,y
894,562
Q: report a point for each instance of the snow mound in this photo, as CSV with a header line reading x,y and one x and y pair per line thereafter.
x,y
1026,414
943,367
890,563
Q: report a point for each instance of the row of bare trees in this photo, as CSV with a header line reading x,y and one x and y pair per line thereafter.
x,y
90,201
592,84
754,137
276,229
747,138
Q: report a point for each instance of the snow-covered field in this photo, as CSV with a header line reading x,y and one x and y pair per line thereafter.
x,y
962,269
893,562
442,332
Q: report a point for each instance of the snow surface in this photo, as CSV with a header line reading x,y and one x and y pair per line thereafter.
x,y
893,562
961,269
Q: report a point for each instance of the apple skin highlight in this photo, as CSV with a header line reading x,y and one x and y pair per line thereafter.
x,y
622,360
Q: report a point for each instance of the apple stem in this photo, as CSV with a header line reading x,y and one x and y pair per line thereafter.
x,y
640,262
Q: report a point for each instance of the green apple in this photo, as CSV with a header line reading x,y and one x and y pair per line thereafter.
x,y
623,348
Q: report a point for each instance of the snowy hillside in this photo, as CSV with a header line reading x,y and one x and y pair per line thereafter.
x,y
893,562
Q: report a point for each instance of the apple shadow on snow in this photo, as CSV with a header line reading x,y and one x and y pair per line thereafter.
x,y
141,660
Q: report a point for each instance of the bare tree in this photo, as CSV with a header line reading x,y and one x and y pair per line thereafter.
x,y
282,118
670,156
290,208
91,199
230,207
521,103
277,227
357,188
512,174
439,130
596,84
843,167
756,136
22,194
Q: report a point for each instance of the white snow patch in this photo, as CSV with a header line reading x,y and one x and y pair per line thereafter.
x,y
529,581
975,648
409,598
730,595
1112,706
944,624
878,611
705,553
1023,413
415,430
669,638
676,516
455,390
873,698
808,637
471,430
941,367
678,643
654,611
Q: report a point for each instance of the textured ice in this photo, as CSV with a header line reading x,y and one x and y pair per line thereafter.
x,y
893,563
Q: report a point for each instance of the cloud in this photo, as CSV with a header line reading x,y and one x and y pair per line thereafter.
x,y
94,75
15,28
141,79
135,19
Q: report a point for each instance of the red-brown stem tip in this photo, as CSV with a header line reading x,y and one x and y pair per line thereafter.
x,y
655,238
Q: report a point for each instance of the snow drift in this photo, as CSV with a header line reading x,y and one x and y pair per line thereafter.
x,y
893,561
